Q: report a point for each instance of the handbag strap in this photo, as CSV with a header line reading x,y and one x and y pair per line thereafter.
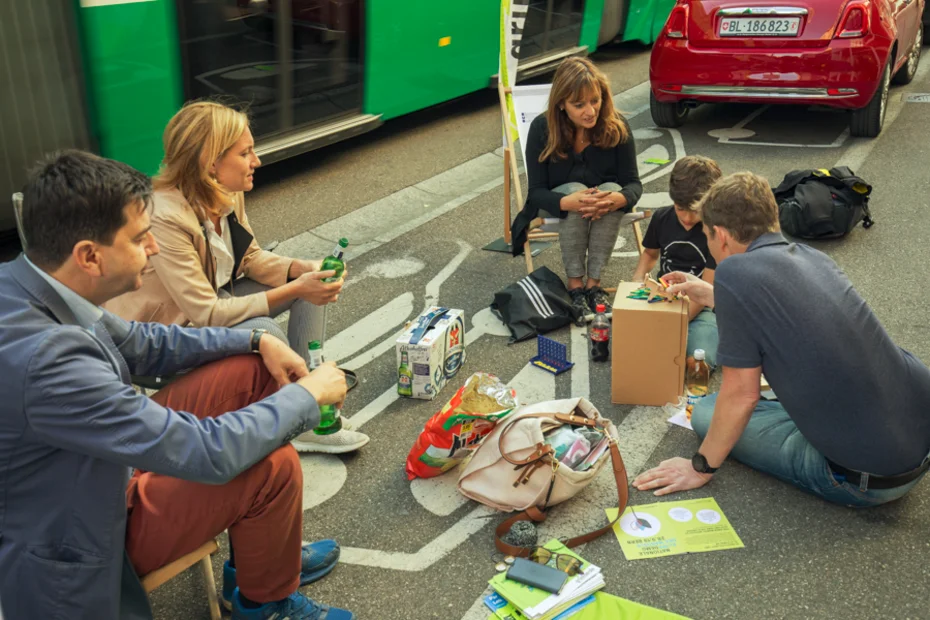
x,y
536,515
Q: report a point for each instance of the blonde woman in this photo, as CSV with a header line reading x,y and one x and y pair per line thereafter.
x,y
210,270
581,167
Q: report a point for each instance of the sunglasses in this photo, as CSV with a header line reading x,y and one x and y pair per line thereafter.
x,y
565,563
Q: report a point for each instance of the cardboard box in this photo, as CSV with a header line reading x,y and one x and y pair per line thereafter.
x,y
648,349
434,348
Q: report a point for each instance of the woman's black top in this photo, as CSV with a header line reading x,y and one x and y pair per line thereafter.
x,y
592,167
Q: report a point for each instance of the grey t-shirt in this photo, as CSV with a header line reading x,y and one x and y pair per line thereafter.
x,y
859,399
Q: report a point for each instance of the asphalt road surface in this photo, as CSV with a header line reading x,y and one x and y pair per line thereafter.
x,y
418,199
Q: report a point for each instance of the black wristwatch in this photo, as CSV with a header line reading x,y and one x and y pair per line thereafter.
x,y
699,463
256,339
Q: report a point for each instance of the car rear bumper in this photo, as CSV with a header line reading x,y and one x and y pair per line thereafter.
x,y
845,75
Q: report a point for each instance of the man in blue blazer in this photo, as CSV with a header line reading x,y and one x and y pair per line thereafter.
x,y
98,483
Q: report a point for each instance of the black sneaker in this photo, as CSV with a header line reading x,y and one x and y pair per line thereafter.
x,y
596,295
579,305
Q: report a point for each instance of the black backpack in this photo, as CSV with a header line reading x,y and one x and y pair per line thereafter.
x,y
537,304
823,204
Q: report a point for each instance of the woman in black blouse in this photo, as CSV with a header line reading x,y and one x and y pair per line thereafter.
x,y
581,166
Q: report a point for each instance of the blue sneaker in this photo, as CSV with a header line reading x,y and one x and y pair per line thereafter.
x,y
295,607
317,560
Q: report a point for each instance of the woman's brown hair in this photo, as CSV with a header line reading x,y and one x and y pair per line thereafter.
x,y
195,138
574,80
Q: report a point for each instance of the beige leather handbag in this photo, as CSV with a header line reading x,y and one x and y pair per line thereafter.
x,y
514,469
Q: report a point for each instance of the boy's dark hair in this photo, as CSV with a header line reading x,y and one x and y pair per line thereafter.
x,y
691,177
74,196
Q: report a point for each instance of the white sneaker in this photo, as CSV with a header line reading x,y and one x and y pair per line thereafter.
x,y
338,443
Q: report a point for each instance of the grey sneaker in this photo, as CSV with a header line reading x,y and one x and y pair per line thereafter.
x,y
579,305
339,442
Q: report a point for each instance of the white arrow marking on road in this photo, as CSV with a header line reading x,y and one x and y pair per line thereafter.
x,y
423,559
439,495
432,287
353,339
533,385
432,295
324,475
581,378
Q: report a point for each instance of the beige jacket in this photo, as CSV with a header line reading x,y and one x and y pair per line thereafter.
x,y
178,284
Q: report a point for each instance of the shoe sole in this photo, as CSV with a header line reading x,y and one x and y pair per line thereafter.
x,y
309,448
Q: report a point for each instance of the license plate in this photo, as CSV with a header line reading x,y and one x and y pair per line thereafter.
x,y
759,26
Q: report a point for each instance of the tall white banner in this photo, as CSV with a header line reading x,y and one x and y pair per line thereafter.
x,y
513,19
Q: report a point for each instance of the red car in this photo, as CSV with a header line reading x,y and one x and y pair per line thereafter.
x,y
837,53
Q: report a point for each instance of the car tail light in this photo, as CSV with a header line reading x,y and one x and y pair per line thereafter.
x,y
855,21
677,25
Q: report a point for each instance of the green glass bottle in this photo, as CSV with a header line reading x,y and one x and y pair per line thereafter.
x,y
335,261
404,376
330,420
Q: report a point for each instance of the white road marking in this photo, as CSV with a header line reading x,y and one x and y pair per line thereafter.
x,y
533,385
324,476
432,295
439,495
487,321
353,339
581,380
433,286
431,553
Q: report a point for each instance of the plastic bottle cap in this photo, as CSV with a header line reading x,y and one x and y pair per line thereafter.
x,y
343,243
600,308
313,346
699,354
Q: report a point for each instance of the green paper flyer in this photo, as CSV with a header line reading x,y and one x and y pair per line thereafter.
x,y
672,528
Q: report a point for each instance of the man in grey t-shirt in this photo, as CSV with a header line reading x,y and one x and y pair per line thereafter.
x,y
852,419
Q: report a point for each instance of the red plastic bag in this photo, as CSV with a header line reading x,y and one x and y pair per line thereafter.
x,y
460,426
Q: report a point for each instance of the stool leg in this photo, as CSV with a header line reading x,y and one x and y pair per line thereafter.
x,y
206,567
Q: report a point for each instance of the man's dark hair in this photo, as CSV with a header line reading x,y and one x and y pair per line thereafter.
x,y
74,196
691,177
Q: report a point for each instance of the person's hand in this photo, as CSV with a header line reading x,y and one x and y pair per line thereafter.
x,y
284,365
689,284
299,267
584,199
607,202
327,384
671,476
310,287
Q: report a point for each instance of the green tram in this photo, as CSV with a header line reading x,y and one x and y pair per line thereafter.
x,y
106,75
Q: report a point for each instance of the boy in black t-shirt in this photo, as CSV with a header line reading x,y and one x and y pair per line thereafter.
x,y
675,239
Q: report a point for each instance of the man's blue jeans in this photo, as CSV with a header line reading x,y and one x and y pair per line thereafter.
x,y
702,334
773,444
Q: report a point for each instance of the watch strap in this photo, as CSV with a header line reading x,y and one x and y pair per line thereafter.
x,y
256,338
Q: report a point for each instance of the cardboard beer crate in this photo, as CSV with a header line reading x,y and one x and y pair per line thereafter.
x,y
434,344
648,349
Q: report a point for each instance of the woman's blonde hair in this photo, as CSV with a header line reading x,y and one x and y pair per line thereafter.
x,y
195,138
575,79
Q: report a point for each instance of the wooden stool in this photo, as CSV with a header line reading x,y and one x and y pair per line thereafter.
x,y
170,571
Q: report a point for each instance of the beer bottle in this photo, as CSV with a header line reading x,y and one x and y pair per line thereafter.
x,y
335,261
404,376
330,420
697,377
